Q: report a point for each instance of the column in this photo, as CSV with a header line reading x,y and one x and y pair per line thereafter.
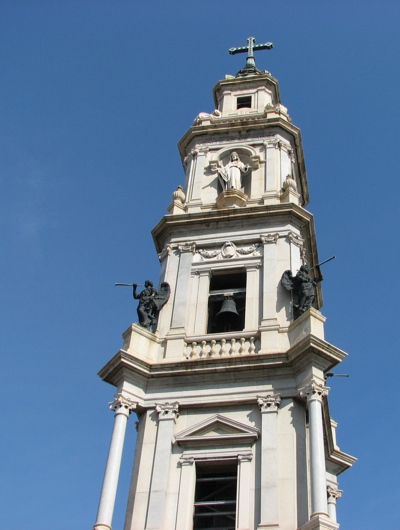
x,y
122,406
269,432
243,491
184,519
333,495
167,413
314,392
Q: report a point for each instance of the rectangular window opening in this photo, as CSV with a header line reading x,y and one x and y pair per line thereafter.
x,y
243,102
227,301
215,496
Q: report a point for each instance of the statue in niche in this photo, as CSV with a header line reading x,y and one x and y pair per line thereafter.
x,y
150,302
230,176
303,287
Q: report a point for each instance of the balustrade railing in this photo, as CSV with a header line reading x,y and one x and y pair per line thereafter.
x,y
230,347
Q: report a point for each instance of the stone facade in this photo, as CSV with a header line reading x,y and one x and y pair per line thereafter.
x,y
250,399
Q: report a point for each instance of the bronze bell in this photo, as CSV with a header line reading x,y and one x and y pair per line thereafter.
x,y
228,319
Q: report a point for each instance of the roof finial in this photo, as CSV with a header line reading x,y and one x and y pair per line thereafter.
x,y
250,68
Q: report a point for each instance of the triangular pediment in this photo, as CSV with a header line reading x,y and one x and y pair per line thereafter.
x,y
218,430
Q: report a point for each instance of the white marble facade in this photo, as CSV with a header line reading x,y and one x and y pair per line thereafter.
x,y
253,399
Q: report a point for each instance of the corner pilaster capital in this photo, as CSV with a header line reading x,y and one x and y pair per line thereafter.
x,y
269,238
269,403
122,404
167,411
187,247
314,391
333,494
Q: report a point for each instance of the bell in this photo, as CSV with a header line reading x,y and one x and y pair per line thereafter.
x,y
228,319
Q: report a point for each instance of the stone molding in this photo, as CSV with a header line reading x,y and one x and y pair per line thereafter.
x,y
270,403
314,391
121,401
167,411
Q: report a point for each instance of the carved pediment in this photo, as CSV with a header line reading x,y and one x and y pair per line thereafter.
x,y
218,430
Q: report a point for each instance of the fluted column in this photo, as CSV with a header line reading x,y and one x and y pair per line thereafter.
x,y
122,406
333,495
167,413
269,432
314,393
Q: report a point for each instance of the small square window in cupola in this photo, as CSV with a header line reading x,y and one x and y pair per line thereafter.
x,y
243,102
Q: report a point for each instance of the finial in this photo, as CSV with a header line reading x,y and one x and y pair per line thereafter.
x,y
250,68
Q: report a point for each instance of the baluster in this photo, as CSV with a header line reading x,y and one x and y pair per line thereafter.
x,y
222,351
203,351
242,348
232,350
193,353
213,349
252,346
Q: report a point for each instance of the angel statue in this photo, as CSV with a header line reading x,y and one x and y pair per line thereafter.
x,y
231,175
303,286
150,302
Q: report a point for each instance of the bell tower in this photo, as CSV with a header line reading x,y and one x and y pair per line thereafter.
x,y
229,380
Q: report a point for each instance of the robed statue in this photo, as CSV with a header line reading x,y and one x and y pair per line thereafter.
x,y
150,302
231,175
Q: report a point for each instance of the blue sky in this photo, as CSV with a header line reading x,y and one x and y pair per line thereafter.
x,y
94,98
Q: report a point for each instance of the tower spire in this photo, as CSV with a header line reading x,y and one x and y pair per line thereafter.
x,y
250,68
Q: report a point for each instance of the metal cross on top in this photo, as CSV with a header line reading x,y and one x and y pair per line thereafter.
x,y
250,49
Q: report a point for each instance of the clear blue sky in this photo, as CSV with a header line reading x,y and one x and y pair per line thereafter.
x,y
94,98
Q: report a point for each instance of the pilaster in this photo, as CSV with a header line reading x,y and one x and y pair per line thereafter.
x,y
269,406
167,414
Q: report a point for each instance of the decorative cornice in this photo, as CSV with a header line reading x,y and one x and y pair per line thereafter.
x,y
121,401
314,391
269,403
167,411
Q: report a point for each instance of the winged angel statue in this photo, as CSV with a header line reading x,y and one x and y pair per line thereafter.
x,y
151,302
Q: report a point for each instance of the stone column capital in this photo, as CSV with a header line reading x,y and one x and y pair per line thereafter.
x,y
186,461
270,403
248,457
167,411
122,404
333,493
314,391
